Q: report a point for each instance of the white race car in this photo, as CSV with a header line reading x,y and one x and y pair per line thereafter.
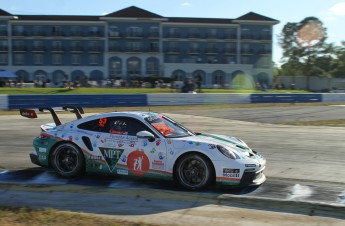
x,y
144,144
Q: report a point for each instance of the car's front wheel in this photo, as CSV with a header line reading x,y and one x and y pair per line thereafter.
x,y
194,171
67,160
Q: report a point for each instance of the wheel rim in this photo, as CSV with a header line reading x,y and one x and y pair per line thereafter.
x,y
193,172
66,159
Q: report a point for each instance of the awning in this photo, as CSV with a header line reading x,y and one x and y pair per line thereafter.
x,y
7,74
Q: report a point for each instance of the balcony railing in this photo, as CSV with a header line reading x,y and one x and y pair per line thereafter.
x,y
58,49
194,51
153,35
20,48
194,35
57,33
76,34
3,33
247,36
96,49
77,49
134,35
247,51
173,35
38,33
212,51
3,48
173,50
38,49
230,51
230,36
19,33
265,51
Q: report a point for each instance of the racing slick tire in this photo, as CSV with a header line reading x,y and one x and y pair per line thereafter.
x,y
194,171
67,160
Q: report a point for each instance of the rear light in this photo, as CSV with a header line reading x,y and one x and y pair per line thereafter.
x,y
43,136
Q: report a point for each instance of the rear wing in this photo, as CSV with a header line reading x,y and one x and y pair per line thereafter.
x,y
31,113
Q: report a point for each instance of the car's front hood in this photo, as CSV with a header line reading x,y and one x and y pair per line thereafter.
x,y
232,142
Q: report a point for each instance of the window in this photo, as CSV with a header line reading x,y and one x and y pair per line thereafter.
x,y
76,30
133,46
56,30
134,31
38,59
3,58
57,59
93,59
115,125
133,66
115,68
76,59
19,59
113,31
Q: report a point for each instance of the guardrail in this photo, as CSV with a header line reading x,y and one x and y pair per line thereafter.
x,y
10,102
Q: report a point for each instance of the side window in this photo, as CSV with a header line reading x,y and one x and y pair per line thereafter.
x,y
90,125
126,126
115,125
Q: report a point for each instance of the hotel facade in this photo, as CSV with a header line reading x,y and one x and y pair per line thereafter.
x,y
134,43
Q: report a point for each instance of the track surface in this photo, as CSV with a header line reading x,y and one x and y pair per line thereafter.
x,y
304,163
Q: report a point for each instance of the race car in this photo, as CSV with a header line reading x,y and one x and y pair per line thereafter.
x,y
143,144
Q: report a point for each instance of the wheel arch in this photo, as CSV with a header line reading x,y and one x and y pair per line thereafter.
x,y
201,154
63,142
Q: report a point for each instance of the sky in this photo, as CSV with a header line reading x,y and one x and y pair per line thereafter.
x,y
330,12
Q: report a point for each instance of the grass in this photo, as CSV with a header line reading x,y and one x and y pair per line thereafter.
x,y
30,217
6,90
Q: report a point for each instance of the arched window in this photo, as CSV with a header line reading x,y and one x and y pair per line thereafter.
x,y
152,66
218,78
133,66
115,68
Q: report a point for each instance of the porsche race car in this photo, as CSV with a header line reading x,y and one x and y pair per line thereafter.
x,y
143,144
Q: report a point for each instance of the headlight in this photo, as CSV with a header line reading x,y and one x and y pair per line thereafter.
x,y
227,152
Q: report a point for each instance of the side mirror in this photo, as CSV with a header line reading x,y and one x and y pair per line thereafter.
x,y
146,135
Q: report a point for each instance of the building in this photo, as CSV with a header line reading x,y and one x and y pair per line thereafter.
x,y
133,43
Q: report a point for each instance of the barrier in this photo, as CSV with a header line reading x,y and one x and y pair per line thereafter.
x,y
286,98
9,102
108,100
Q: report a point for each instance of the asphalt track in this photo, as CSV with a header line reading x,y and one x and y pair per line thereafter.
x,y
305,167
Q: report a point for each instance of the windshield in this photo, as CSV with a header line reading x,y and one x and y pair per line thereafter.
x,y
167,127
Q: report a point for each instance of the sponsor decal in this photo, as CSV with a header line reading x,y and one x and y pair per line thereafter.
x,y
92,157
169,141
190,142
160,155
157,165
124,159
111,156
70,138
231,173
153,150
250,165
211,146
138,163
102,122
144,143
131,145
158,142
42,157
171,151
197,143
122,172
94,144
44,150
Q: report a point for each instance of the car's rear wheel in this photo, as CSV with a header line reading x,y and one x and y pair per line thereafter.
x,y
194,171
67,160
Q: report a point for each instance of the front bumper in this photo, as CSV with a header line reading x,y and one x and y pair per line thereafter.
x,y
252,178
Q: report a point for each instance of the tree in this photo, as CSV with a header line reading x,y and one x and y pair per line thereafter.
x,y
302,44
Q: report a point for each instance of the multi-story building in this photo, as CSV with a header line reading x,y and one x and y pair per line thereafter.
x,y
134,43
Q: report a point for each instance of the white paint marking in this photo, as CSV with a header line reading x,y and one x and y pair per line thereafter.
x,y
341,198
5,171
299,192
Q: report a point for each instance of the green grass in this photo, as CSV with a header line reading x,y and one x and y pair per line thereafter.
x,y
5,90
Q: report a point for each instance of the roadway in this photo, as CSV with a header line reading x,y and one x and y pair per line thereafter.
x,y
303,163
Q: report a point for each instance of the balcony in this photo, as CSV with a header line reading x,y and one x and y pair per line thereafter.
x,y
77,49
134,50
212,51
38,34
115,49
153,49
230,36
58,49
194,35
153,35
94,49
230,51
212,36
57,33
265,37
38,49
194,51
114,34
19,33
95,34
134,35
3,33
173,50
173,35
3,49
76,34
19,49
247,51
247,37
265,51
